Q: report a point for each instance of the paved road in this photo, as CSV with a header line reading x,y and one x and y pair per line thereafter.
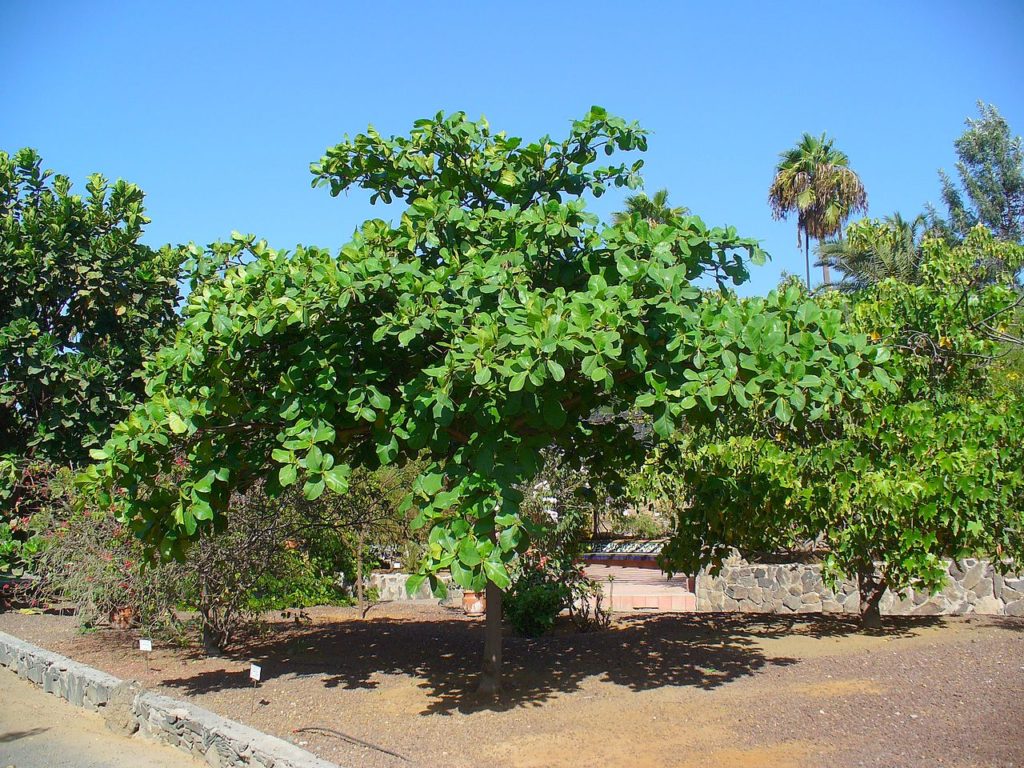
x,y
38,730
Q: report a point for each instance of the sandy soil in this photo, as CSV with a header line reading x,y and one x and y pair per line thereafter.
x,y
685,690
38,730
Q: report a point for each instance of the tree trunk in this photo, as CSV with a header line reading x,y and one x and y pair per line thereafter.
x,y
871,590
490,677
360,596
825,274
807,258
211,640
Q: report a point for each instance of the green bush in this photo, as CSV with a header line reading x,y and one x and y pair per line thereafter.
x,y
533,603
304,580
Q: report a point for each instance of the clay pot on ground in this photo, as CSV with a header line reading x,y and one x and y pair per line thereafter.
x,y
474,603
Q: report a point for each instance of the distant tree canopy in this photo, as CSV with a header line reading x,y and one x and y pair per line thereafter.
x,y
990,170
874,250
655,210
814,180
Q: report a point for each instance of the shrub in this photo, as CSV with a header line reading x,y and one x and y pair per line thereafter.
x,y
533,603
24,491
258,562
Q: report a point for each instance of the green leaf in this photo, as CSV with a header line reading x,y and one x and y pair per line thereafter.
x,y
287,475
379,401
468,553
554,413
313,489
508,539
497,573
314,460
336,479
782,410
414,582
557,371
175,422
429,484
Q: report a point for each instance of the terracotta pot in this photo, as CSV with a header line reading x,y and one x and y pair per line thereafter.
x,y
474,603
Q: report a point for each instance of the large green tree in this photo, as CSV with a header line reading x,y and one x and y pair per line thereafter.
x,y
990,167
494,318
83,302
903,480
814,180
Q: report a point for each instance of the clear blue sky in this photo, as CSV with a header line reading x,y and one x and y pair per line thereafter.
x,y
217,108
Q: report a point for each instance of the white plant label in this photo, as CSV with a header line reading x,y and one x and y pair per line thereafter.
x,y
255,671
145,645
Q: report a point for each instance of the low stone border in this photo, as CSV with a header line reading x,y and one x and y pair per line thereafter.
x,y
206,736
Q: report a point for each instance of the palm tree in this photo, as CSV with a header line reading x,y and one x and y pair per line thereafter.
x,y
654,209
876,250
814,180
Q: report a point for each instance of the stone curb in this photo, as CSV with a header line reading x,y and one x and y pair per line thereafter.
x,y
204,735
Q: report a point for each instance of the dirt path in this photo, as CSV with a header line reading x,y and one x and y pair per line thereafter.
x,y
668,690
38,730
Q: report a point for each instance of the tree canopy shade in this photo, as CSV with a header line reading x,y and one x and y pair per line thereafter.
x,y
492,320
814,180
990,167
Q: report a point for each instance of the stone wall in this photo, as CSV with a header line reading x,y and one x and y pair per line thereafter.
x,y
973,587
130,709
391,587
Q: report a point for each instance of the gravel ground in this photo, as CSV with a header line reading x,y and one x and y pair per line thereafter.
x,y
682,690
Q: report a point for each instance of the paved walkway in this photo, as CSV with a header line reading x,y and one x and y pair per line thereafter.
x,y
38,730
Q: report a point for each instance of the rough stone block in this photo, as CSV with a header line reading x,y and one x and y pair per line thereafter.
x,y
982,589
737,592
1015,608
989,606
811,581
972,576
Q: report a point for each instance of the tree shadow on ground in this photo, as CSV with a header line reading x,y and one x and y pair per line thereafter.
x,y
639,652
10,736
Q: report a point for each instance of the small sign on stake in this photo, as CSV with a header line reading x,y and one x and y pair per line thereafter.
x,y
145,645
255,670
